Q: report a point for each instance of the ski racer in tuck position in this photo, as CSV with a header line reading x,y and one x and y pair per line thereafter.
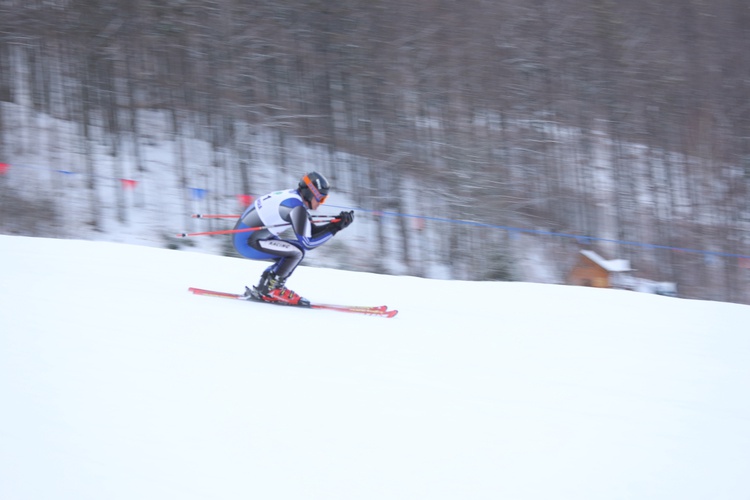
x,y
275,213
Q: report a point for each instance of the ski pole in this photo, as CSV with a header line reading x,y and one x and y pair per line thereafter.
x,y
229,231
237,216
215,216
234,231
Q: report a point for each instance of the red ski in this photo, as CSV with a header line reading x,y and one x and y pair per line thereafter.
x,y
382,311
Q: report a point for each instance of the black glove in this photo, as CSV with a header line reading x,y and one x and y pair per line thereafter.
x,y
344,219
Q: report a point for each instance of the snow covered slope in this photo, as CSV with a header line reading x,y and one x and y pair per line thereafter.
x,y
117,383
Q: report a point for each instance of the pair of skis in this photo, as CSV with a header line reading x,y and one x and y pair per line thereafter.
x,y
381,311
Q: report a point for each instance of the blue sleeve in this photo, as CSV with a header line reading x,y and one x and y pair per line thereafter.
x,y
299,217
292,203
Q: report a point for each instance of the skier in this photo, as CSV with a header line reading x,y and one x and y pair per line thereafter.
x,y
275,213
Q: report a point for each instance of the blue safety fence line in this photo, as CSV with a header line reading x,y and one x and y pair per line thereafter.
x,y
539,232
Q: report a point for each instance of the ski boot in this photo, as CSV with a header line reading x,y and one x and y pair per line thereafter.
x,y
254,292
272,289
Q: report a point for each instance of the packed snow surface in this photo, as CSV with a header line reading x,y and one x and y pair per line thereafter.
x,y
116,383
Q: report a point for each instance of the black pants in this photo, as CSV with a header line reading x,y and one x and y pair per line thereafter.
x,y
287,254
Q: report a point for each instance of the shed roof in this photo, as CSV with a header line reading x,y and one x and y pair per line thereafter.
x,y
613,266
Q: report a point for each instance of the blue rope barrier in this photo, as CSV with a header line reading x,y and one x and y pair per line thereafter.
x,y
200,194
539,232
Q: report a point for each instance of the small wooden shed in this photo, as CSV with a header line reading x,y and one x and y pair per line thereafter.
x,y
592,269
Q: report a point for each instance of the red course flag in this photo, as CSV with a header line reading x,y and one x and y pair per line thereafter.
x,y
4,168
245,199
128,184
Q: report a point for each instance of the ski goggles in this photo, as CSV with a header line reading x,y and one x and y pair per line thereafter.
x,y
320,197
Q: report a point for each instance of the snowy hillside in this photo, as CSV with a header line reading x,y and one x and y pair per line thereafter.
x,y
117,383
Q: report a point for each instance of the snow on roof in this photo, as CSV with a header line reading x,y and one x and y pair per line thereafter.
x,y
613,266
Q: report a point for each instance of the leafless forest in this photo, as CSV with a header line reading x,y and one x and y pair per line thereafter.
x,y
620,120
